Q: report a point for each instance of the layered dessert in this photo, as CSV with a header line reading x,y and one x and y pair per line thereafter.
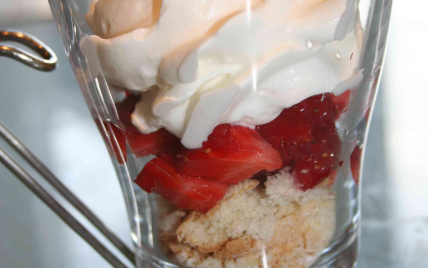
x,y
237,102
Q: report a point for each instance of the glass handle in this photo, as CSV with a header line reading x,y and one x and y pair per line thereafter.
x,y
46,59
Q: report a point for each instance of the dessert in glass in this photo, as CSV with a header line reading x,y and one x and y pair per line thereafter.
x,y
236,127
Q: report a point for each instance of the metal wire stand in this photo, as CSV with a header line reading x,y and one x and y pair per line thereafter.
x,y
46,61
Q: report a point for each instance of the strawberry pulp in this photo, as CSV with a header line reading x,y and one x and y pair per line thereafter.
x,y
230,155
356,163
305,135
186,192
197,179
118,142
141,144
303,139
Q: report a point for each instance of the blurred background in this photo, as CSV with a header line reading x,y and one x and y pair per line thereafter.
x,y
47,112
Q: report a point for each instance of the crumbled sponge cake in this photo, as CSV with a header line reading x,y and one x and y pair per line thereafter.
x,y
275,224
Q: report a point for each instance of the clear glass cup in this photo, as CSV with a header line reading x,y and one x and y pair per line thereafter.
x,y
311,221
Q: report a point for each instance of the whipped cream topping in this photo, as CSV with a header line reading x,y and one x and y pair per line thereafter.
x,y
204,63
111,18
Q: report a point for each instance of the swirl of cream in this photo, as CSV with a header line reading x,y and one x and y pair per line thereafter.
x,y
204,63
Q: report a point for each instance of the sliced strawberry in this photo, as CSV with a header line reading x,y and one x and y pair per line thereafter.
x,y
355,163
307,139
145,179
118,142
290,134
326,133
126,107
154,143
318,109
186,192
307,177
312,170
231,154
144,144
316,166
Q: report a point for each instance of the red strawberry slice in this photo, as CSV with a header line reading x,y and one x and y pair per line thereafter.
x,y
126,107
312,170
231,154
318,109
141,144
306,137
355,163
118,142
186,192
290,134
323,158
326,133
154,143
307,176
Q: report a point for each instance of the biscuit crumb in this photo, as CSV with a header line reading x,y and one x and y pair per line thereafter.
x,y
274,223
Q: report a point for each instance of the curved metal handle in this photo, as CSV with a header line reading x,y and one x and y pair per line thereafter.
x,y
45,62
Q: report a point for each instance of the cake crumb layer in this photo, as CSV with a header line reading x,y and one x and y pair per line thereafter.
x,y
256,224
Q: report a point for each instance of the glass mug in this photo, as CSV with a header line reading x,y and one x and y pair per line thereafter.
x,y
233,175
